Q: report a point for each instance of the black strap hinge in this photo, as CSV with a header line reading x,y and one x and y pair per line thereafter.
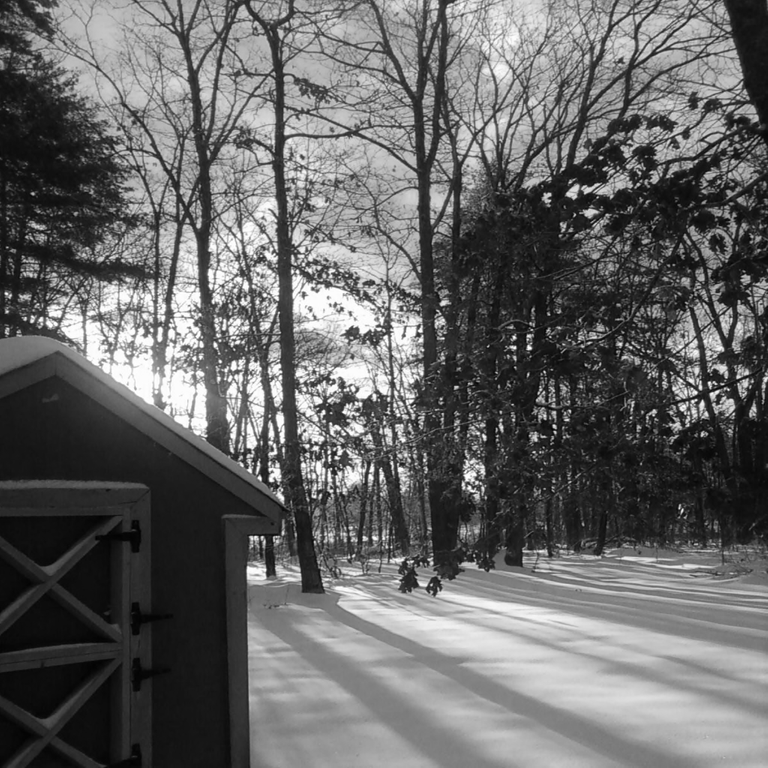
x,y
139,674
134,761
138,618
133,536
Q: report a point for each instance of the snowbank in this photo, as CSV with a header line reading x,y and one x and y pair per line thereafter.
x,y
638,659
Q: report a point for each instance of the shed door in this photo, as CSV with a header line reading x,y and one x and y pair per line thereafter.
x,y
74,563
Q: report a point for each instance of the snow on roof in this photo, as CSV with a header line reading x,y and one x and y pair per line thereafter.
x,y
22,351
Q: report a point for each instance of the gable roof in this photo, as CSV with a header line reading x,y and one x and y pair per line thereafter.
x,y
25,360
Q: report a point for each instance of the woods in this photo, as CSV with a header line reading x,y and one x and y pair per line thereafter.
x,y
454,276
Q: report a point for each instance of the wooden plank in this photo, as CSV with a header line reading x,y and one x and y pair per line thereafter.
x,y
107,507
23,564
81,548
236,530
15,610
75,756
57,655
71,511
52,494
21,717
84,614
78,759
69,707
39,730
53,572
64,712
137,579
48,577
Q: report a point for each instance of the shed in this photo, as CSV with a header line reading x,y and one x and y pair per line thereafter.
x,y
123,547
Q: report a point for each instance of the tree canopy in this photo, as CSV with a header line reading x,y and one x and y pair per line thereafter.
x,y
460,277
63,190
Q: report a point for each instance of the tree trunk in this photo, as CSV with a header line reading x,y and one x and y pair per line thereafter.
x,y
515,540
602,531
396,500
163,309
491,540
721,445
269,557
491,468
443,476
292,476
363,514
217,426
549,525
384,463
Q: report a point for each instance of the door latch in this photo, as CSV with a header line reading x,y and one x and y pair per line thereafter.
x,y
134,761
139,674
133,536
138,618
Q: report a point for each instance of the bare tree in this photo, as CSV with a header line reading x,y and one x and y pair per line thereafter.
x,y
275,29
391,79
175,91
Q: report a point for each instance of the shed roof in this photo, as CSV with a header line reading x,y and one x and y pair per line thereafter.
x,y
25,360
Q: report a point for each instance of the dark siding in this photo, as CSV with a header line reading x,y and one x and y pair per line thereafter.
x,y
53,431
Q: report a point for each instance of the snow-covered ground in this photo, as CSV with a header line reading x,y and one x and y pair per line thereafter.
x,y
652,659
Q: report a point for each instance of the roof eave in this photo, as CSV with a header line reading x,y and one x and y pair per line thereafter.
x,y
231,478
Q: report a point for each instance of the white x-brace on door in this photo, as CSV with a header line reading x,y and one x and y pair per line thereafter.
x,y
75,662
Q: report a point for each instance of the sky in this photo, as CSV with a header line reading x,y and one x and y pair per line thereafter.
x,y
636,660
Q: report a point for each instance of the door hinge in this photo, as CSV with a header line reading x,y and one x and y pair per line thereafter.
x,y
138,618
139,674
134,761
133,536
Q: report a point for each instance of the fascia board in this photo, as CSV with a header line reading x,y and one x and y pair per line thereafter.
x,y
155,424
26,375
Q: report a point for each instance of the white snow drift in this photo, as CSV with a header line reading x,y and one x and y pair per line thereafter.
x,y
638,660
